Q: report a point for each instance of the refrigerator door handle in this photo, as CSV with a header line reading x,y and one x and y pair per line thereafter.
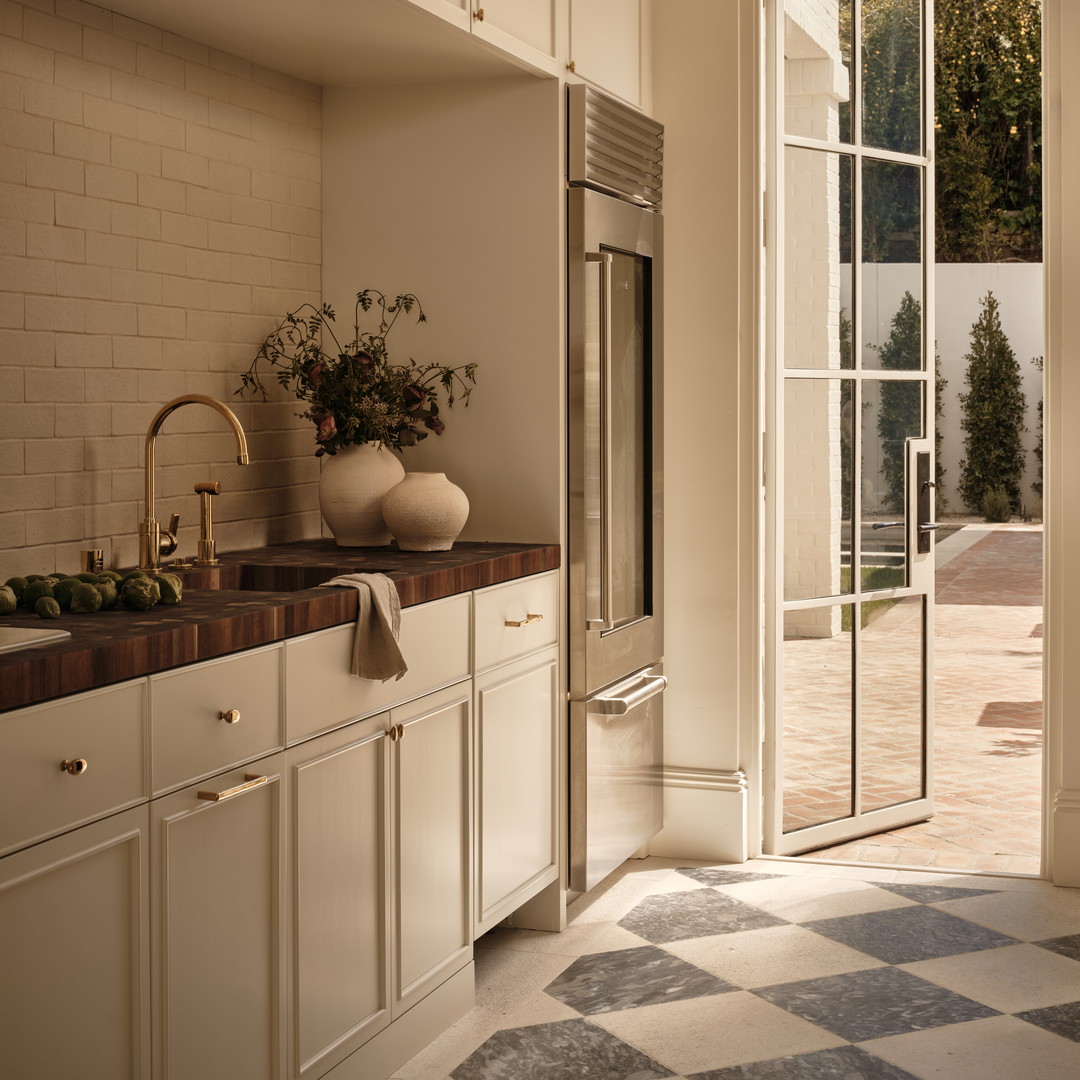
x,y
607,586
619,703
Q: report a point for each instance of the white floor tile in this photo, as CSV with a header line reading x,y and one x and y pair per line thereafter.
x,y
807,898
1029,916
715,1032
1000,1048
1011,979
776,954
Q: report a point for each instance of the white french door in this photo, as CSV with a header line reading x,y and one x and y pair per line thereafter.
x,y
850,403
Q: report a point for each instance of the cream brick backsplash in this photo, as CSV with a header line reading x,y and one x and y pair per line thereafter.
x,y
160,209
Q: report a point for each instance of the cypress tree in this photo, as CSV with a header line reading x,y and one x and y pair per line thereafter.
x,y
992,413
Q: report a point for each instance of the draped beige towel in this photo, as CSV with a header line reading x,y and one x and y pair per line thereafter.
x,y
376,654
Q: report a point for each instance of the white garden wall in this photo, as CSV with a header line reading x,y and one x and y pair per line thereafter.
x,y
960,287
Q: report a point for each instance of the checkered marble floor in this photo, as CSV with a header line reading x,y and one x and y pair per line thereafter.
x,y
777,970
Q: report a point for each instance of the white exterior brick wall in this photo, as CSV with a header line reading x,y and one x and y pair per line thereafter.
x,y
160,209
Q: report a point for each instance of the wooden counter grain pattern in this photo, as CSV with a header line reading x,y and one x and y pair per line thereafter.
x,y
214,619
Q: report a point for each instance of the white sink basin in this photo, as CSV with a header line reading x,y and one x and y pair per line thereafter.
x,y
19,637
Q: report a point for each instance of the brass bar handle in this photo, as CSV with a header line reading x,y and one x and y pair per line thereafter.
x,y
607,489
251,781
75,766
230,716
619,704
524,622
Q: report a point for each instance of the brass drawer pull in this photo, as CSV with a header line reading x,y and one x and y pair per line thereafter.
x,y
524,622
252,780
76,766
397,732
230,716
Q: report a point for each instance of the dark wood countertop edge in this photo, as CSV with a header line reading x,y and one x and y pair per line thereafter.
x,y
33,676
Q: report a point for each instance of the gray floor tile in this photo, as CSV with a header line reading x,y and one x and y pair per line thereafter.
x,y
567,1050
1065,946
931,894
709,875
698,913
843,1063
1060,1019
875,1003
630,978
905,935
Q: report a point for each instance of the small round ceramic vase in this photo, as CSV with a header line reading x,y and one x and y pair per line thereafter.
x,y
425,512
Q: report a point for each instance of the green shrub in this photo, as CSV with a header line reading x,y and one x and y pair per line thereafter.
x,y
996,505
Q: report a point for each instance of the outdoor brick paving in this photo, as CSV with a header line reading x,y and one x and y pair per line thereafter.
x,y
988,720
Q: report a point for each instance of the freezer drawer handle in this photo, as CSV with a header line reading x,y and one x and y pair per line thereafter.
x,y
650,686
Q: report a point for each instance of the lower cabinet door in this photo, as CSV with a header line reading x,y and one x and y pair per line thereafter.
x,y
339,858
74,955
430,794
517,744
216,890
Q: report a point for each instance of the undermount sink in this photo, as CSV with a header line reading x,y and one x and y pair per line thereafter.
x,y
13,638
249,577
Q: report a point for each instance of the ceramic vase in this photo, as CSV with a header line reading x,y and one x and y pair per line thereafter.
x,y
426,512
352,484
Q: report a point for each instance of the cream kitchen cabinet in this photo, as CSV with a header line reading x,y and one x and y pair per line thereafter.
x,y
527,30
516,746
608,46
380,849
218,926
74,942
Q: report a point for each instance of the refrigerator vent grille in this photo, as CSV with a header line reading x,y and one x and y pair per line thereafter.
x,y
614,148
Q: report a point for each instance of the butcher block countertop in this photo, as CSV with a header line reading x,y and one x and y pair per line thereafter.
x,y
254,598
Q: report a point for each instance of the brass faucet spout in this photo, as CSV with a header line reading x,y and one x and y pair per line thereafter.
x,y
150,538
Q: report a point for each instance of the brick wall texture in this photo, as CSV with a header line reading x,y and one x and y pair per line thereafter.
x,y
160,209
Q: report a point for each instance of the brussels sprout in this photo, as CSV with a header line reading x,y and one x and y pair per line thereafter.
x,y
110,575
85,600
64,590
109,596
8,603
47,607
34,591
33,577
172,588
16,585
87,577
133,574
141,594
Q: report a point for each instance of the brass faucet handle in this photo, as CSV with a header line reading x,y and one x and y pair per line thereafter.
x,y
209,487
207,490
168,537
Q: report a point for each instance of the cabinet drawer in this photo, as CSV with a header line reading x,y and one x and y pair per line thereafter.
x,y
505,625
105,730
320,694
213,716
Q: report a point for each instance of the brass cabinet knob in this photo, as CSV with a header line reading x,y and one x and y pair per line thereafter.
x,y
478,15
76,766
231,716
572,66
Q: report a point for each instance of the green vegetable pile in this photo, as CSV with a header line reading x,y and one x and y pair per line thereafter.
x,y
83,594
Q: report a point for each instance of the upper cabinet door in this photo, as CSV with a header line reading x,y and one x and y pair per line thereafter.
x,y
524,29
608,47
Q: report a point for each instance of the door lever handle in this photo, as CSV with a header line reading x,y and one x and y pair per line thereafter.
x,y
928,526
886,525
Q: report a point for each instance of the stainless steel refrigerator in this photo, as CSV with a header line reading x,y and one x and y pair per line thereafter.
x,y
615,461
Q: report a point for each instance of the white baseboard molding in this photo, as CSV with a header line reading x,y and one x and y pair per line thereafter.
x,y
704,816
1065,845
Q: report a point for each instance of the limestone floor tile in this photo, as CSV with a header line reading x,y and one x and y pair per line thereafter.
x,y
1028,916
713,1032
777,954
505,979
815,898
809,866
997,882
609,902
1010,979
997,1048
576,940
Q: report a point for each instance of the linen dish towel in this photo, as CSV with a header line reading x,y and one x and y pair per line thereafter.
x,y
376,654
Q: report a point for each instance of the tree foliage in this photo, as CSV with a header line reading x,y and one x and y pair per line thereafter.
x,y
988,129
900,405
992,413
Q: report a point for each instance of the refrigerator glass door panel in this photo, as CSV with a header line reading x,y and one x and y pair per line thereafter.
x,y
615,447
616,779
